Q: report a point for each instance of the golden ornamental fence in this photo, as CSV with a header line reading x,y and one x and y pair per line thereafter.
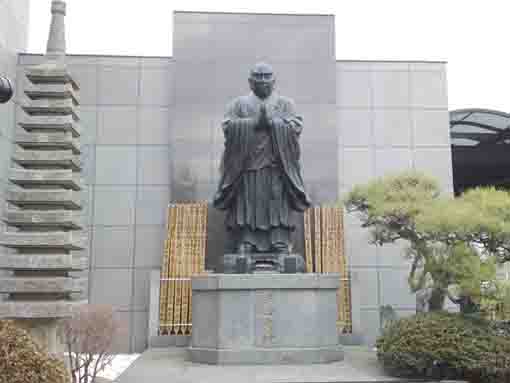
x,y
324,253
184,256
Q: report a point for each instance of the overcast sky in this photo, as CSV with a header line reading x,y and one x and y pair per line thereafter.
x,y
472,35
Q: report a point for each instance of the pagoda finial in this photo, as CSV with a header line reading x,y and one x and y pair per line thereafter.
x,y
57,39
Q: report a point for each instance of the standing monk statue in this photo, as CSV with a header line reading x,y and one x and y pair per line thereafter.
x,y
261,182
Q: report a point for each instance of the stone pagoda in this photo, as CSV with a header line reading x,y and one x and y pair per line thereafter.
x,y
44,242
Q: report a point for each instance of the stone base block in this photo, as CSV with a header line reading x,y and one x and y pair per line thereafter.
x,y
49,219
43,262
64,159
52,106
60,178
265,318
34,285
50,123
44,240
38,309
50,73
165,341
55,141
267,356
38,91
57,198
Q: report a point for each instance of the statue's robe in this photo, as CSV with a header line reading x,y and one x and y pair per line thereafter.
x,y
261,180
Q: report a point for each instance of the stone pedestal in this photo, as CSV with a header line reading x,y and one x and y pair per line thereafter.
x,y
265,319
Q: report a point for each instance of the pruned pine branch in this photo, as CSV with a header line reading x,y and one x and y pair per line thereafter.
x,y
452,242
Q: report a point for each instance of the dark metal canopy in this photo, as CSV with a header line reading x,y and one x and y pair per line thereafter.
x,y
6,89
480,141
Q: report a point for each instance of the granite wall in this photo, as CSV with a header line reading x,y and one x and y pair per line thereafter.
x,y
13,39
14,21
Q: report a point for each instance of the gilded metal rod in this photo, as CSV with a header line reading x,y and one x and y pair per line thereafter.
x,y
184,256
324,241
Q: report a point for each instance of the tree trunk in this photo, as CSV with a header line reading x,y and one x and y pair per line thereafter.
x,y
436,300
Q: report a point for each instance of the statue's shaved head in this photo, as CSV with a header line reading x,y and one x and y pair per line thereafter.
x,y
261,68
262,80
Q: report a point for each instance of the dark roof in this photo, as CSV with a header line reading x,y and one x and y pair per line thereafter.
x,y
477,127
256,13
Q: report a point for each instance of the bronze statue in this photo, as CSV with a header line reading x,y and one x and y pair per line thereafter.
x,y
261,182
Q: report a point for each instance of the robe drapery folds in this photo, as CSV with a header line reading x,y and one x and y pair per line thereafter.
x,y
261,181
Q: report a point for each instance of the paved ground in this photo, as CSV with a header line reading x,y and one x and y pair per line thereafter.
x,y
170,365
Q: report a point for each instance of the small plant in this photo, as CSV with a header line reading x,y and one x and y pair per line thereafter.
x,y
441,345
88,336
22,360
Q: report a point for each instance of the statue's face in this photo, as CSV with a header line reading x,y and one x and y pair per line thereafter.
x,y
262,81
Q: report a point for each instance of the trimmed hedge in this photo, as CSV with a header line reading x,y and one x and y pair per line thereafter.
x,y
445,345
501,327
23,361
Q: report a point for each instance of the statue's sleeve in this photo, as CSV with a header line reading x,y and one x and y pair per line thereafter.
x,y
237,131
232,119
285,135
291,118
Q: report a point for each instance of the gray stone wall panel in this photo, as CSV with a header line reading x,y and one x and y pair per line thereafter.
x,y
392,116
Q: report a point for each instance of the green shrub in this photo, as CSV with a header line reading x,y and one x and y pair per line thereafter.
x,y
23,361
456,346
501,327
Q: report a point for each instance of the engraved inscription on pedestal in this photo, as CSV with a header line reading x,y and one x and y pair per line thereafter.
x,y
264,309
268,318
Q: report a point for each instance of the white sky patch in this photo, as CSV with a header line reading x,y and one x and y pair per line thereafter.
x,y
472,35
